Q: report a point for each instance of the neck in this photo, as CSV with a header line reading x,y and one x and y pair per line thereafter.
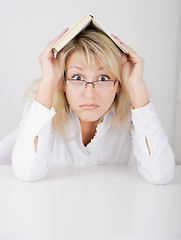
x,y
88,126
88,131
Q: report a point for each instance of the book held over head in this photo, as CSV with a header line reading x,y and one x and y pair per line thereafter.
x,y
86,21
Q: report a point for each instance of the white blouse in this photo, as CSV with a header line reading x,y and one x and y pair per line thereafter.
x,y
108,146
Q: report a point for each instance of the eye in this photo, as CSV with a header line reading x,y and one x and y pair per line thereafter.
x,y
77,77
104,78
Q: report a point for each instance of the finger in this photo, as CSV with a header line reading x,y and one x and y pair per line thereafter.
x,y
117,38
133,57
58,56
126,71
58,37
124,58
48,53
50,45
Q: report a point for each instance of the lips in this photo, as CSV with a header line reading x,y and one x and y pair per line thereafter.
x,y
89,106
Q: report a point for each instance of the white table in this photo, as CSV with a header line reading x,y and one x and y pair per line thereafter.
x,y
97,202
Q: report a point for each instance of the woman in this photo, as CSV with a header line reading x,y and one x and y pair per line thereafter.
x,y
91,107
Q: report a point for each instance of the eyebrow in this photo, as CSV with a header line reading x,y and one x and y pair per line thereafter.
x,y
82,69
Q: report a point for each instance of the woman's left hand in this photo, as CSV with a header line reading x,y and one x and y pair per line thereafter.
x,y
132,67
132,76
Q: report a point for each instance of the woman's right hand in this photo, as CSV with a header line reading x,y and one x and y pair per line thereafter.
x,y
50,66
51,74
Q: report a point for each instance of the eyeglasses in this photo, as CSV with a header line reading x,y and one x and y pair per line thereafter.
x,y
98,84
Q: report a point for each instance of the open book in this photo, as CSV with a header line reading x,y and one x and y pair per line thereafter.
x,y
84,22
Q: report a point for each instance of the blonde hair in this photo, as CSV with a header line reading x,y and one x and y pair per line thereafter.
x,y
91,43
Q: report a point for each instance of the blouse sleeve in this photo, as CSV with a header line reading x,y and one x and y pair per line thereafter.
x,y
28,165
155,158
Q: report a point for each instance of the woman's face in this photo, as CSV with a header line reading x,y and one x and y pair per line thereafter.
x,y
88,103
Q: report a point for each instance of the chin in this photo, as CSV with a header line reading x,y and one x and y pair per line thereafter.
x,y
86,117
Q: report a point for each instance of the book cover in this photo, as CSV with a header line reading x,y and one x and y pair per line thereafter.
x,y
84,22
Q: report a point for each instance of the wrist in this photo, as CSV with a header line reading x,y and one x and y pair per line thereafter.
x,y
138,95
48,84
45,94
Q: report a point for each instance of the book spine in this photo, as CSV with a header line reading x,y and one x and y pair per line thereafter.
x,y
70,34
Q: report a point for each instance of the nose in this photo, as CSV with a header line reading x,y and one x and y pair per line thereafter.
x,y
87,83
89,90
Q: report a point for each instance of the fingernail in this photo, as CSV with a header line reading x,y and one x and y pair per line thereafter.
x,y
64,31
118,39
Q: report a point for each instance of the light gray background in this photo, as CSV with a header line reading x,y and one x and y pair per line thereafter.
x,y
150,27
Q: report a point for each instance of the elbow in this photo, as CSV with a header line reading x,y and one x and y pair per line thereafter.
x,y
30,169
163,179
159,177
165,175
28,174
158,170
